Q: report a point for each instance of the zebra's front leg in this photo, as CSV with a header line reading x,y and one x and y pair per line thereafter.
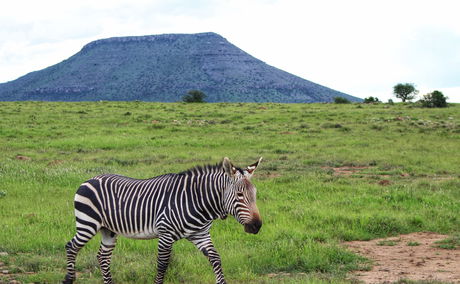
x,y
205,245
104,254
164,252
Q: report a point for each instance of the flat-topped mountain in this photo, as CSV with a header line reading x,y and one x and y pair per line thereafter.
x,y
163,68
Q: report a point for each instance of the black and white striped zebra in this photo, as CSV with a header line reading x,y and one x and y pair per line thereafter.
x,y
169,207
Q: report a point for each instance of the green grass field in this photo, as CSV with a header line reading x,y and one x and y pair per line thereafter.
x,y
330,173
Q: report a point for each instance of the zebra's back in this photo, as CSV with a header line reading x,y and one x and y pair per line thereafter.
x,y
130,207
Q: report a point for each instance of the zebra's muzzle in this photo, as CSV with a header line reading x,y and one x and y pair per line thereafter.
x,y
253,227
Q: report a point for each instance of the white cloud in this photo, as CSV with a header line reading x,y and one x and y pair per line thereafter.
x,y
356,46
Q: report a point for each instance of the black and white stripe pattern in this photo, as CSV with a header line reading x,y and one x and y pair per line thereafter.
x,y
169,207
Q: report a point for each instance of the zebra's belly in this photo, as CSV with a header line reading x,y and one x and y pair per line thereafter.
x,y
147,235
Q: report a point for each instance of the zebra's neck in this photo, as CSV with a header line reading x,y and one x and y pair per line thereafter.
x,y
207,190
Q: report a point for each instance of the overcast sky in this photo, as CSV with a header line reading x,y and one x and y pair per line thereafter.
x,y
362,48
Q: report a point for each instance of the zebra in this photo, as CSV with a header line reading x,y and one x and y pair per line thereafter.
x,y
168,207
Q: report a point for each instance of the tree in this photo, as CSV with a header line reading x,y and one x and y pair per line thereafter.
x,y
194,96
341,100
405,92
434,99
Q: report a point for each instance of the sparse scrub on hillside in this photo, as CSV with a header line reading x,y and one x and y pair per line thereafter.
x,y
341,100
194,96
371,100
434,99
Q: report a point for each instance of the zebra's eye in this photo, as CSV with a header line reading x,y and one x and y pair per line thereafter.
x,y
239,194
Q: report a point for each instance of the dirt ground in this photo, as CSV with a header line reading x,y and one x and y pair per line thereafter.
x,y
410,257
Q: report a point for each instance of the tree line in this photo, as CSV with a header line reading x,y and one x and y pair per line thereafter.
x,y
407,92
404,91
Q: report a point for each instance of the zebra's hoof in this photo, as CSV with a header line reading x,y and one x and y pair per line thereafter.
x,y
67,280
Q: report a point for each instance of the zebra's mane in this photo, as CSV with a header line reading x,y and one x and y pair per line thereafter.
x,y
202,169
206,169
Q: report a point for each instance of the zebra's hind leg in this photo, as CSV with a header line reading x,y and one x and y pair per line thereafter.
x,y
72,248
104,254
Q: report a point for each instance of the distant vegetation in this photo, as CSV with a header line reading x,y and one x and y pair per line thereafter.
x,y
405,92
194,96
434,99
341,100
330,173
370,100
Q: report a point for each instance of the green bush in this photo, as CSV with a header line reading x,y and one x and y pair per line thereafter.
x,y
371,100
194,96
340,100
434,99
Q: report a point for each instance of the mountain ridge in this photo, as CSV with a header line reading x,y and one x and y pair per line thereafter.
x,y
163,68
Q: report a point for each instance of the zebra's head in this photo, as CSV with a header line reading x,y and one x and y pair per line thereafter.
x,y
240,196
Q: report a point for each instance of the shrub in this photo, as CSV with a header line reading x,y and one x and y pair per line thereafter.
x,y
194,96
434,99
341,100
390,102
371,100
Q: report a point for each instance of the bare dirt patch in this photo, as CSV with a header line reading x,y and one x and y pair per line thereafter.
x,y
411,257
346,170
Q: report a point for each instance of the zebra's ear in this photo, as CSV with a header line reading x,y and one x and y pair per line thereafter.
x,y
229,169
250,169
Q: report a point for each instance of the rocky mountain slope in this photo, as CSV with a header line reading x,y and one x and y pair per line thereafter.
x,y
163,68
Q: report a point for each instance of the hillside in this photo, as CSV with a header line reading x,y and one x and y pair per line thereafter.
x,y
163,68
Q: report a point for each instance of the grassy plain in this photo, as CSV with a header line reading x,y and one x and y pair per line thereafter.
x,y
330,173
